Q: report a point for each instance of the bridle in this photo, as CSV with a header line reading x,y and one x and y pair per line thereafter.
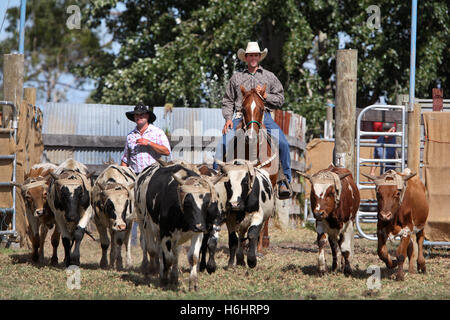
x,y
246,125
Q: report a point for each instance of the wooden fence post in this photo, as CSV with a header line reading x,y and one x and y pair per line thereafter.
x,y
13,72
414,138
346,77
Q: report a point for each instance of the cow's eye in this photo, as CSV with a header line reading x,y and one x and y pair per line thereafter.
x,y
397,194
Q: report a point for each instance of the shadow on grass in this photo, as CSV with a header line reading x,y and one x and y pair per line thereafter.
x,y
138,279
25,258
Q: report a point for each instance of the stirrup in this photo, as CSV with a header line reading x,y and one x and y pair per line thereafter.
x,y
284,195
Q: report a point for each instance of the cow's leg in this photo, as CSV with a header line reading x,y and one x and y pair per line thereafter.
x,y
240,248
166,257
212,247
142,238
34,231
321,242
412,254
127,240
56,235
401,255
382,249
253,233
104,243
336,253
67,246
113,251
42,235
203,249
420,236
153,245
346,247
77,236
232,240
193,254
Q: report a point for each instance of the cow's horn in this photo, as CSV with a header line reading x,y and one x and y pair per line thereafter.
x,y
17,185
178,178
343,175
54,175
220,163
307,176
406,178
370,177
162,163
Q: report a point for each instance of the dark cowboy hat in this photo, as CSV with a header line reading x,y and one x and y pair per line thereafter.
x,y
140,109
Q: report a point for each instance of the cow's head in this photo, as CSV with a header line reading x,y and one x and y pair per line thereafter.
x,y
194,196
71,194
390,188
325,192
241,174
34,191
117,202
217,208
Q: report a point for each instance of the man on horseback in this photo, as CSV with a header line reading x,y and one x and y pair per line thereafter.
x,y
273,96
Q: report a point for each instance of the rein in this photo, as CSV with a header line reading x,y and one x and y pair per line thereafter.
x,y
252,121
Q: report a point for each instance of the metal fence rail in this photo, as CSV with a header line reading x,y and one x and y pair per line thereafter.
x,y
5,211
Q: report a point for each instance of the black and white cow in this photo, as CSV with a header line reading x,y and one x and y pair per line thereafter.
x,y
69,199
213,224
172,206
250,204
113,202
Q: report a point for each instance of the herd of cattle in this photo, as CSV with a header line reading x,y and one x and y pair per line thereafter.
x,y
175,202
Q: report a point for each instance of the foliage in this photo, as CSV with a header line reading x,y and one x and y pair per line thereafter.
x,y
51,49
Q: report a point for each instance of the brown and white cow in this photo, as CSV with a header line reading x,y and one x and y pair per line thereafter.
x,y
335,202
402,212
39,215
113,202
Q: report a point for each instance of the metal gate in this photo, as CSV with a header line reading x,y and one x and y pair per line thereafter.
x,y
365,214
5,211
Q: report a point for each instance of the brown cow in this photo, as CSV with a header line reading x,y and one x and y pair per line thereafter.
x,y
335,202
40,217
402,211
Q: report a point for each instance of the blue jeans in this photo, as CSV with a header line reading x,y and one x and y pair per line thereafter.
x,y
275,132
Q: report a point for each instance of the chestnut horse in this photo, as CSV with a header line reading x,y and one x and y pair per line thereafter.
x,y
252,140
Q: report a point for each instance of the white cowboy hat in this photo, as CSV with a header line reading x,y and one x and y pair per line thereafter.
x,y
252,47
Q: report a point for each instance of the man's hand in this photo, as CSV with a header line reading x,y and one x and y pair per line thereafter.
x,y
261,91
143,142
227,126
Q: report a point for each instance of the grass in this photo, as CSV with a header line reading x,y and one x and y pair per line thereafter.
x,y
288,270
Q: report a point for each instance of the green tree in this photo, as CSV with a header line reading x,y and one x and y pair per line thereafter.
x,y
183,51
51,48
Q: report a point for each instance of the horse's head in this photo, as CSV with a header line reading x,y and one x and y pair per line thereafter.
x,y
253,110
